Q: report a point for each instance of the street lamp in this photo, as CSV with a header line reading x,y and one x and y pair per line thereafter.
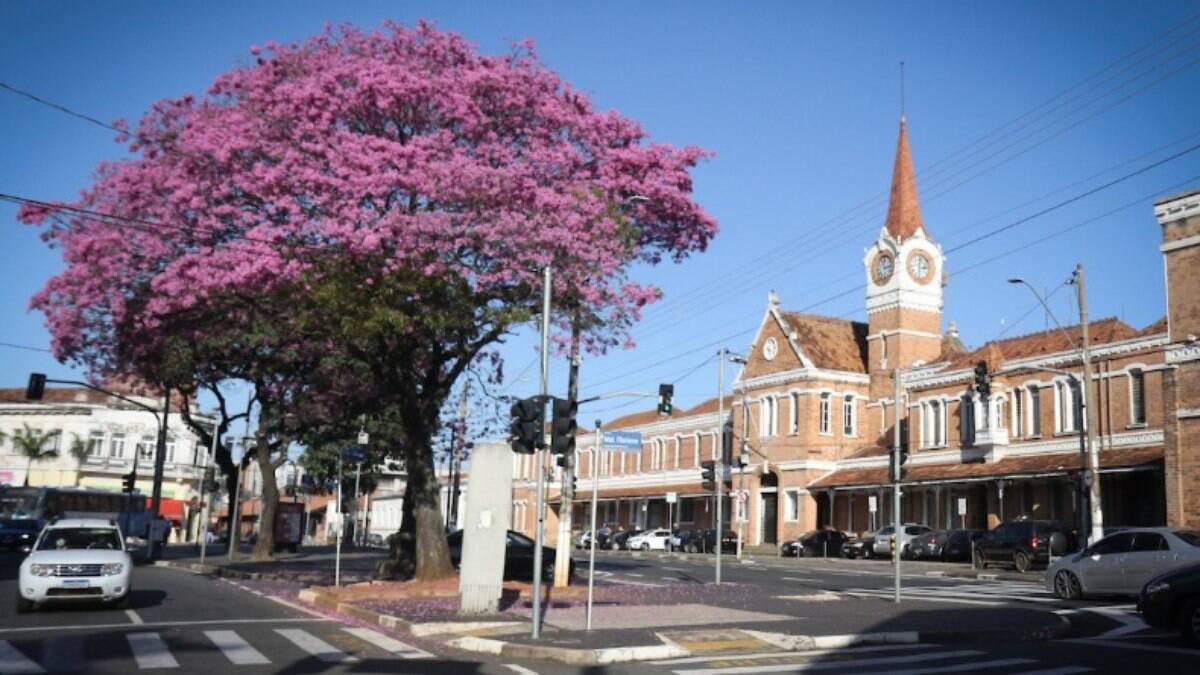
x,y
1090,451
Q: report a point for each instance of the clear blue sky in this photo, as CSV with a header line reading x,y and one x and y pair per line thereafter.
x,y
799,101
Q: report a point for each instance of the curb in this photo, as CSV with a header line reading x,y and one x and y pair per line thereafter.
x,y
218,571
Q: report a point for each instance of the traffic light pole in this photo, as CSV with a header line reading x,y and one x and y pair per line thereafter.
x,y
896,485
1091,415
160,459
540,462
593,467
720,467
205,495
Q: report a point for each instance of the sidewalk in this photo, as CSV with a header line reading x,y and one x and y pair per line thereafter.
x,y
312,565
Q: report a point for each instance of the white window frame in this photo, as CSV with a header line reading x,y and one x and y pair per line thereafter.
x,y
678,448
95,444
826,422
696,438
794,404
1017,412
1141,372
850,414
1064,397
1033,411
791,506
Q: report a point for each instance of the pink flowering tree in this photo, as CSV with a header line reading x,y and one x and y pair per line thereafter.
x,y
360,214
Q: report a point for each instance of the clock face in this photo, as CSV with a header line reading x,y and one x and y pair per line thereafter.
x,y
770,349
919,266
883,268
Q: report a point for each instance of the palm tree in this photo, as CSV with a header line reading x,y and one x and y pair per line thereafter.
x,y
32,444
80,451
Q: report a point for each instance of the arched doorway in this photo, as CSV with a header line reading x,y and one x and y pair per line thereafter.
x,y
768,508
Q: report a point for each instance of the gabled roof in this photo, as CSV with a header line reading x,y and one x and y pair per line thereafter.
x,y
904,211
831,344
1156,328
1046,342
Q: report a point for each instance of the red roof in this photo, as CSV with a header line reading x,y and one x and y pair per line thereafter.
x,y
904,213
832,344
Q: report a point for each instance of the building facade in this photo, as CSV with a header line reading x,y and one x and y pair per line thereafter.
x,y
814,411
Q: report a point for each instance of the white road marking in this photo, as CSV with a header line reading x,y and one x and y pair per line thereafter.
x,y
792,655
238,651
150,651
958,668
388,644
298,608
1130,623
13,661
521,670
910,596
1065,670
798,579
133,617
159,624
675,569
315,646
631,574
830,665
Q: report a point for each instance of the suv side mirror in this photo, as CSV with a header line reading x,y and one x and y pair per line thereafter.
x,y
26,548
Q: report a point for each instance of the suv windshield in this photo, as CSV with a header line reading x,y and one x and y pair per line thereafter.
x,y
66,538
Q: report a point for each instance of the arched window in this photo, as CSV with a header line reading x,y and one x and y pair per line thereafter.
x,y
1137,396
849,418
696,449
794,428
1064,406
826,401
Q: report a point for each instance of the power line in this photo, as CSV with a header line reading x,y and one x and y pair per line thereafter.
x,y
28,348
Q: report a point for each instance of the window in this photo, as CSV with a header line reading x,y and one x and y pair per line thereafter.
x,y
795,427
966,420
146,448
95,444
745,426
791,511
696,449
825,402
687,510
849,423
768,421
1137,396
1117,543
1035,411
1064,406
116,446
170,450
1018,411
678,449
1149,541
933,424
741,508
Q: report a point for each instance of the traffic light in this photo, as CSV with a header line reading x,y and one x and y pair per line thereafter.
x,y
526,431
708,474
899,471
892,544
983,381
210,480
128,481
36,388
665,392
562,426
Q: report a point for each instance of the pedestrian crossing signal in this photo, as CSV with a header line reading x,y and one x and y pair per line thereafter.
x,y
665,392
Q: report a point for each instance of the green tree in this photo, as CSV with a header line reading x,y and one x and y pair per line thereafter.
x,y
79,451
33,445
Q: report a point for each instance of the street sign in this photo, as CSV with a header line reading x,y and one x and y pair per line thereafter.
x,y
743,496
872,503
962,506
671,497
625,441
354,454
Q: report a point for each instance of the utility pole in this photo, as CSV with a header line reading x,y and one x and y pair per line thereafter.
x,y
566,508
1093,455
540,455
896,485
160,458
720,468
460,432
596,451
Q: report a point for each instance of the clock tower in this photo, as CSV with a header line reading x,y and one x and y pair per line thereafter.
x,y
905,276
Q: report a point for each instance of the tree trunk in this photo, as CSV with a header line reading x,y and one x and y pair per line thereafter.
x,y
432,555
264,548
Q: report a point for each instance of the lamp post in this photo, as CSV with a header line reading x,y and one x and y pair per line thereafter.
x,y
1091,455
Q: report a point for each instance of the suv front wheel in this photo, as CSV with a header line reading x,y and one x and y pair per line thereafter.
x,y
977,561
1021,561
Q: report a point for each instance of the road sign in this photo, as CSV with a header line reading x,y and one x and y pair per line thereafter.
x,y
962,506
743,496
872,503
354,454
625,441
671,497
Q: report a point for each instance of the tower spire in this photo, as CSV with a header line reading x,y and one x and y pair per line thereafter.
x,y
904,211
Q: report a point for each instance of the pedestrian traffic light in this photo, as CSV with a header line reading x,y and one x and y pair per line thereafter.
x,y
526,432
898,470
562,426
983,381
708,474
36,388
128,481
665,392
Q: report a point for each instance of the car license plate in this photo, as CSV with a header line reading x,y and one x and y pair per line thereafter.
x,y
75,583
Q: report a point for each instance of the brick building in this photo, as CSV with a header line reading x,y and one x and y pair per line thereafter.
x,y
813,410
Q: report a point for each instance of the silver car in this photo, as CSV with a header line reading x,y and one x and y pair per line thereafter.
x,y
1121,563
882,547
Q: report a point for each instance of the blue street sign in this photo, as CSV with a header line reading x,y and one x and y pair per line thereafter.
x,y
625,441
354,454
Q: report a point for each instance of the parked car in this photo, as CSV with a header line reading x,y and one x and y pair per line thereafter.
x,y
518,556
1023,544
620,540
728,541
882,545
959,544
680,539
927,546
650,540
1171,601
816,544
857,547
76,559
18,533
1122,563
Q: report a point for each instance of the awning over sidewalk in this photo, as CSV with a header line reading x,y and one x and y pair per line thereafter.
x,y
1033,466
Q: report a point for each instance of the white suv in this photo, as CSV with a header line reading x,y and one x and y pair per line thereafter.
x,y
76,559
651,539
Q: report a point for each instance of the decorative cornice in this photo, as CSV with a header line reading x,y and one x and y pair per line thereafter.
x,y
903,331
1187,413
1186,242
805,465
799,375
1177,208
1183,353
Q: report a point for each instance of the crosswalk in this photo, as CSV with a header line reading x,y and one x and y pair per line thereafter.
x,y
892,660
988,594
162,650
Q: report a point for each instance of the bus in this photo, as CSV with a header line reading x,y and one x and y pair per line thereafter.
x,y
30,508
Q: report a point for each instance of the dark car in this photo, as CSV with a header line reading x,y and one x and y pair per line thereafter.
x,y
816,544
17,533
685,540
518,556
857,547
728,541
957,547
927,546
620,540
1172,601
1023,544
